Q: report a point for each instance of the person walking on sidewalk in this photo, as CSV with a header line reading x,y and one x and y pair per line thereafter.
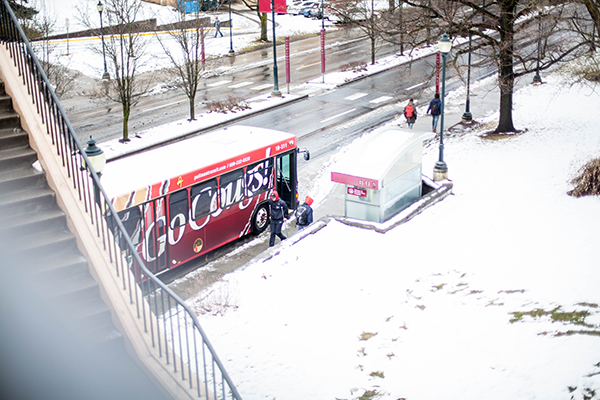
x,y
279,211
304,214
410,112
435,107
218,27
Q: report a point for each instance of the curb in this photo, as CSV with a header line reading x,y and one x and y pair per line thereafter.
x,y
207,128
438,193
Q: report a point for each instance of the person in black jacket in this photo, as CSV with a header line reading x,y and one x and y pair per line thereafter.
x,y
304,214
279,211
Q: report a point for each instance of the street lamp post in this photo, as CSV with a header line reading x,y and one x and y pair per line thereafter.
x,y
440,171
537,78
276,92
230,26
97,161
100,8
467,116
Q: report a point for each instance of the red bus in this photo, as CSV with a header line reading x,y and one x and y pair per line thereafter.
x,y
185,199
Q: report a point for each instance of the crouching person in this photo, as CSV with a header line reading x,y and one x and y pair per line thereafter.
x,y
304,214
279,211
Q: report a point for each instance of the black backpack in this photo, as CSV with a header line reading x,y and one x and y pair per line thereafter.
x,y
301,215
435,108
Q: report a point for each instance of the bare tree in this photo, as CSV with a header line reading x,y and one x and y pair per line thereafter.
x,y
43,24
186,58
505,31
125,51
362,14
253,5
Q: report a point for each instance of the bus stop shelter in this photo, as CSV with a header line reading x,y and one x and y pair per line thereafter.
x,y
382,175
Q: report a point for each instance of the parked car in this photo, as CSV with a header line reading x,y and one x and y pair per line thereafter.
x,y
307,11
298,8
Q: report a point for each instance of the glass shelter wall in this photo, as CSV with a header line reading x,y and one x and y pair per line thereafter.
x,y
401,187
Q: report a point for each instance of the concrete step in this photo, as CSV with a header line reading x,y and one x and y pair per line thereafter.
x,y
33,222
33,200
17,157
5,103
13,137
9,120
43,244
58,266
20,179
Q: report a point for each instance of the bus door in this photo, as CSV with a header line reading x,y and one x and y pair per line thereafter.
x,y
155,246
287,179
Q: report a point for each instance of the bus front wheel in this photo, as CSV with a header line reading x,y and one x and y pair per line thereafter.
x,y
261,219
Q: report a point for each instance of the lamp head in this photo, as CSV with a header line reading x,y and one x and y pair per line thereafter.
x,y
95,155
100,6
444,45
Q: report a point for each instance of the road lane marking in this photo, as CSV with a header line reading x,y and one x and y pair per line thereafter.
x,y
308,91
261,87
416,86
307,65
339,115
164,105
218,83
356,96
239,85
380,99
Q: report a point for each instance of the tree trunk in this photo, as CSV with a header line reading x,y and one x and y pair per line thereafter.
x,y
126,112
263,27
192,109
372,49
506,76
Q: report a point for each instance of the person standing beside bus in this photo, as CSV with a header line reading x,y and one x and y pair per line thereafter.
x,y
279,211
304,214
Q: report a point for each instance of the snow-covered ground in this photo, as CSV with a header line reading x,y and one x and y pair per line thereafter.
x,y
84,54
427,310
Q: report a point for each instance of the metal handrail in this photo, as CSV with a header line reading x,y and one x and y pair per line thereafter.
x,y
157,306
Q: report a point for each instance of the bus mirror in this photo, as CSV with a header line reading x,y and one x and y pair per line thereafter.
x,y
306,154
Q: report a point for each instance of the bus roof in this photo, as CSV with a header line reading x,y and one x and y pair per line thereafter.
x,y
192,160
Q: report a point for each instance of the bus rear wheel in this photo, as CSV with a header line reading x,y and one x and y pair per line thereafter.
x,y
260,220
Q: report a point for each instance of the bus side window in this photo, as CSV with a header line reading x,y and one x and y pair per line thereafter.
x,y
204,199
131,221
232,188
178,209
259,178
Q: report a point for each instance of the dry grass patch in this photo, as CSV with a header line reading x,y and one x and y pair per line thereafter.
x,y
587,181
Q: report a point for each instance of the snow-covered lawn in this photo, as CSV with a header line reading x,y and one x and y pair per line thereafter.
x,y
490,294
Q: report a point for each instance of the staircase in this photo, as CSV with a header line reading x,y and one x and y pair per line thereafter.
x,y
36,234
52,283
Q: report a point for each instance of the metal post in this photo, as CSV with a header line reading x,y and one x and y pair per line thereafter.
x,y
440,165
230,26
440,171
100,8
467,116
276,92
67,26
482,14
537,78
322,16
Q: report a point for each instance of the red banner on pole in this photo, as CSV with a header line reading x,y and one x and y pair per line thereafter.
x,y
322,51
287,60
264,6
437,72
